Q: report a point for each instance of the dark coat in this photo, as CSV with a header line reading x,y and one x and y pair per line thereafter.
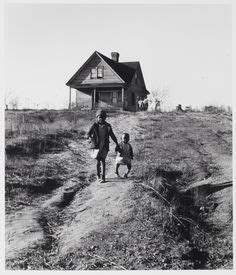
x,y
93,134
120,150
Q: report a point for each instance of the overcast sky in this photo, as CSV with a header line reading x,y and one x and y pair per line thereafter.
x,y
185,49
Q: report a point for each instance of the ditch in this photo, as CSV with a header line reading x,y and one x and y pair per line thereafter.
x,y
189,211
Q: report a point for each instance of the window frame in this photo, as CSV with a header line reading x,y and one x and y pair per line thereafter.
x,y
100,69
93,73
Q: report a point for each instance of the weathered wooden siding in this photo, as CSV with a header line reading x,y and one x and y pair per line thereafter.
x,y
128,97
84,75
138,85
137,88
140,80
138,92
106,99
84,100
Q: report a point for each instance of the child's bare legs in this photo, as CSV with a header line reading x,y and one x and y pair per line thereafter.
x,y
129,168
98,169
117,167
103,169
99,163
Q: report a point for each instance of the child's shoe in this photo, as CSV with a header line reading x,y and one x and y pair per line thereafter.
x,y
103,179
117,174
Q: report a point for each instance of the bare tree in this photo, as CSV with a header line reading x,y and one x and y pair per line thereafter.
x,y
161,94
11,101
7,98
156,97
14,103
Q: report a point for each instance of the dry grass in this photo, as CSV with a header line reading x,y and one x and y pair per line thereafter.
x,y
19,124
163,230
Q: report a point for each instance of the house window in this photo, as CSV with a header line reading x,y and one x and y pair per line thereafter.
x,y
93,73
97,72
100,72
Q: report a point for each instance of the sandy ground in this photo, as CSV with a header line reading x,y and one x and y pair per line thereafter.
x,y
100,203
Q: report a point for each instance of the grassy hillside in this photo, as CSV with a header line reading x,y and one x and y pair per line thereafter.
x,y
165,221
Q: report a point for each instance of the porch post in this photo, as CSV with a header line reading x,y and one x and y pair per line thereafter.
x,y
91,99
69,98
122,97
77,97
94,98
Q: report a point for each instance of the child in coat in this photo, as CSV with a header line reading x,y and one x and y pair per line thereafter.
x,y
124,154
99,134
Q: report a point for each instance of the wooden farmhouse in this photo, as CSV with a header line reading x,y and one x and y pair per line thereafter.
x,y
109,83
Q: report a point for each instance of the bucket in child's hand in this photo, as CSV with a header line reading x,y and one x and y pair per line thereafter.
x,y
94,153
119,159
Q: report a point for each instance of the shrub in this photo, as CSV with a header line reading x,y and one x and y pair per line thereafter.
x,y
217,109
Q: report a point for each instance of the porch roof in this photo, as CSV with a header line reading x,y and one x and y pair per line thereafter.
x,y
93,86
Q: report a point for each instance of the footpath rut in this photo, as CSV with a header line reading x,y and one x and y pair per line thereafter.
x,y
100,203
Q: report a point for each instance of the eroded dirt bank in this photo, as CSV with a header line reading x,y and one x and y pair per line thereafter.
x,y
68,221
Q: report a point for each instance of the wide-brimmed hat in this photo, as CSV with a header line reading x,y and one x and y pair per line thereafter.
x,y
101,113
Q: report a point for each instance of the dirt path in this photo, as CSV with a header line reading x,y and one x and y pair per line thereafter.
x,y
22,226
91,209
100,203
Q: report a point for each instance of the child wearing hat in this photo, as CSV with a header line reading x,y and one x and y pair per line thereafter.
x,y
124,154
99,134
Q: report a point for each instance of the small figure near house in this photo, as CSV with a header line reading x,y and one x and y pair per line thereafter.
x,y
140,104
145,104
157,104
153,104
124,154
99,134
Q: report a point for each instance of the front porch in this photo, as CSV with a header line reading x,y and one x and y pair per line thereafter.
x,y
102,97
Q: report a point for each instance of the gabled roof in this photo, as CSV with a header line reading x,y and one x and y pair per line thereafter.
x,y
136,66
133,64
125,70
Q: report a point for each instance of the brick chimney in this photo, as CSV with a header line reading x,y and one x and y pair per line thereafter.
x,y
115,56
